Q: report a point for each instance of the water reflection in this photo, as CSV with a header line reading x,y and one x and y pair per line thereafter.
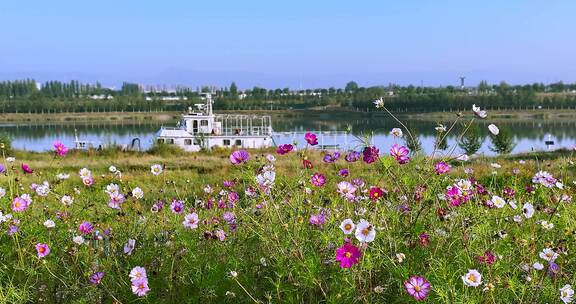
x,y
528,134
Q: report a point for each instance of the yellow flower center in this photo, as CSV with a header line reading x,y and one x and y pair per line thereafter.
x,y
347,227
417,288
348,254
365,231
472,278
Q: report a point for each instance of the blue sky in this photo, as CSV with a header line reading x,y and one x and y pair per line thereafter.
x,y
288,43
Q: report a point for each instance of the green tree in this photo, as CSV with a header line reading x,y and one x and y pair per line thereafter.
x,y
471,141
503,143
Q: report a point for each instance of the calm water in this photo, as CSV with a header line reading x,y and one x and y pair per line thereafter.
x,y
528,134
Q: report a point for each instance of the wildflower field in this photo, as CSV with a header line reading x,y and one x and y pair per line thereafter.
x,y
289,225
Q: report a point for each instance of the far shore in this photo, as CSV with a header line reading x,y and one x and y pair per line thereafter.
x,y
126,117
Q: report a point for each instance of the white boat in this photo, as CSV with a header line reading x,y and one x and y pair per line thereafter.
x,y
200,129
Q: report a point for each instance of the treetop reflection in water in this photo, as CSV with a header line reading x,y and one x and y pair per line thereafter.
x,y
527,134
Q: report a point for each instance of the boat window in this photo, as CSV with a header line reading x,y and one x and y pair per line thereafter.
x,y
238,142
226,142
188,142
204,122
170,141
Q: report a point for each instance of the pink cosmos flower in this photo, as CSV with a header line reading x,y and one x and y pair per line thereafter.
x,y
239,157
417,287
140,287
42,250
86,227
191,220
346,190
441,167
370,154
60,149
331,158
318,180
348,255
88,181
311,138
19,204
317,220
400,153
177,206
283,149
26,169
487,258
116,199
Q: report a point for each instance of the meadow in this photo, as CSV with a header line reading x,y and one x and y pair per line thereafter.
x,y
286,225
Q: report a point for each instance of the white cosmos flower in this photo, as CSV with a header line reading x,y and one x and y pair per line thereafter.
x,y
547,225
517,219
440,128
10,159
347,226
79,240
397,132
495,165
112,188
498,201
49,224
548,254
400,257
156,169
365,232
2,192
493,129
63,176
566,293
137,193
538,266
480,113
67,200
112,169
85,173
191,220
463,158
472,278
528,210
379,103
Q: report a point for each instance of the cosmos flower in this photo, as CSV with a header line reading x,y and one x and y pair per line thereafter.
x,y
379,103
472,279
376,193
311,138
346,190
177,207
67,200
352,156
307,164
239,157
347,226
528,210
2,169
156,169
191,221
396,132
370,154
96,278
26,169
88,181
86,227
137,193
498,201
285,148
331,158
480,113
400,153
42,250
348,255
544,178
493,129
487,258
140,287
417,287
365,232
317,219
116,199
20,204
566,293
548,254
441,167
49,224
344,172
129,247
60,149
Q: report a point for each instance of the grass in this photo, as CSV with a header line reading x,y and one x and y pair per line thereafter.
x,y
279,257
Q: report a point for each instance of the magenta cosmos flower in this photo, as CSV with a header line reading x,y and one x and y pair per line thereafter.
x,y
418,287
60,149
318,180
42,250
441,167
376,193
96,278
311,138
283,149
86,227
400,153
348,255
177,206
370,154
27,169
239,157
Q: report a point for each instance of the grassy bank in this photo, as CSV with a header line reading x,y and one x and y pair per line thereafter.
x,y
269,233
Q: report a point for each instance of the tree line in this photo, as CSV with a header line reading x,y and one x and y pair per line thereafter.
x,y
56,96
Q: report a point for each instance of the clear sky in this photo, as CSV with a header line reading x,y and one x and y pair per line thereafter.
x,y
273,43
